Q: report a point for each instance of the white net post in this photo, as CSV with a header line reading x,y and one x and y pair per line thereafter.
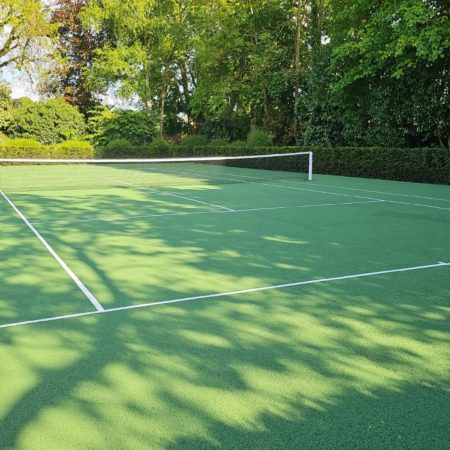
x,y
310,166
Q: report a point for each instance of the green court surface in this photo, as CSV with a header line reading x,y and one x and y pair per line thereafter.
x,y
223,310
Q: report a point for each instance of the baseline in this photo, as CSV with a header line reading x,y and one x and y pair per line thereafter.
x,y
60,261
227,294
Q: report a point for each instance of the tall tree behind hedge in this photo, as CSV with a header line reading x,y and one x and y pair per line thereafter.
x,y
390,62
105,125
6,105
244,63
77,45
147,52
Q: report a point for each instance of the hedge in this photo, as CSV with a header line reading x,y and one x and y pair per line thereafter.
x,y
423,165
60,151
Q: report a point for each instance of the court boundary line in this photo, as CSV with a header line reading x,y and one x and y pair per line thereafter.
x,y
141,188
226,294
378,192
234,211
315,190
358,196
88,294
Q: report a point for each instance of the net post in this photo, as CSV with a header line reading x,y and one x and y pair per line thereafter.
x,y
310,166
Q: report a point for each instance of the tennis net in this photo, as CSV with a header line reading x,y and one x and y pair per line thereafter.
x,y
18,175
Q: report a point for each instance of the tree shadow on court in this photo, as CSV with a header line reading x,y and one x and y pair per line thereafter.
x,y
360,364
320,369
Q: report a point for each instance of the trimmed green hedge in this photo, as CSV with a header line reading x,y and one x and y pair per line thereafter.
x,y
423,165
66,150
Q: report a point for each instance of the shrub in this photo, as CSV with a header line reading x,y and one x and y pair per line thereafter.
x,y
259,138
117,148
219,142
195,140
48,122
238,143
75,149
46,151
25,143
159,145
137,127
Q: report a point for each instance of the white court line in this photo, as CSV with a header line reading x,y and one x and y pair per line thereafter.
x,y
326,192
232,178
170,194
417,204
377,192
143,216
227,294
67,269
358,196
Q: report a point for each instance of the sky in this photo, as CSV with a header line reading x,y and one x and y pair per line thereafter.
x,y
19,83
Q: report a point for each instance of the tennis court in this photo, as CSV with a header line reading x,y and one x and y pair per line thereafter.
x,y
189,306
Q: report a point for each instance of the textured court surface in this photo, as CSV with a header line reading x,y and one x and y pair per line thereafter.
x,y
360,359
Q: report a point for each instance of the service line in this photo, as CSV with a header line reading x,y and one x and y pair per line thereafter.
x,y
118,218
227,294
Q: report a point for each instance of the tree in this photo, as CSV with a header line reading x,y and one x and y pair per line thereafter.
x,y
390,66
77,45
134,126
244,63
6,105
146,52
25,33
49,122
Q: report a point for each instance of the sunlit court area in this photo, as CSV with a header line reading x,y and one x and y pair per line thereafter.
x,y
219,305
224,225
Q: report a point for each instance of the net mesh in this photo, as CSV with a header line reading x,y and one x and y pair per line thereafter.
x,y
18,175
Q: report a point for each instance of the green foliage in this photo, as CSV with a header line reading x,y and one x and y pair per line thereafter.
x,y
74,149
26,34
229,128
76,46
6,105
122,148
195,140
49,122
425,165
159,145
323,73
219,142
137,127
22,142
24,148
239,143
259,138
118,144
392,61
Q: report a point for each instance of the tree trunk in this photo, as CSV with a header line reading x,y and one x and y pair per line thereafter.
x,y
185,95
298,42
162,106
